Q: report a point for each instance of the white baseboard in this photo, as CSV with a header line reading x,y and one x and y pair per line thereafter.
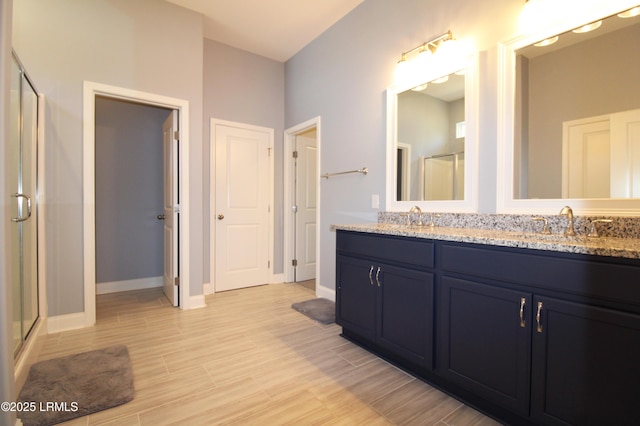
x,y
196,302
29,353
207,288
326,293
67,322
126,285
277,278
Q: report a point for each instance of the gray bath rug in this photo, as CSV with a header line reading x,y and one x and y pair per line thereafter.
x,y
62,389
321,310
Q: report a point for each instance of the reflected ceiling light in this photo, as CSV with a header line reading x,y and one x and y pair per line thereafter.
x,y
441,79
420,88
546,42
461,72
630,13
589,27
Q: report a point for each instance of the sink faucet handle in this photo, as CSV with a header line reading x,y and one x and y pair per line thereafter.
x,y
431,222
593,229
545,228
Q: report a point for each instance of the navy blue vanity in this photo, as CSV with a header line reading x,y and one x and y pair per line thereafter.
x,y
528,336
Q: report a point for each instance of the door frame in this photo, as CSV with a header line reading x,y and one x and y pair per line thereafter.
x,y
289,195
210,289
90,91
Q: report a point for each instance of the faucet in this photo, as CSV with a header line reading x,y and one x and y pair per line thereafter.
x,y
566,210
415,209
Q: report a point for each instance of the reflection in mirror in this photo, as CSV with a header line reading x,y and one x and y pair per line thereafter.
x,y
431,140
577,114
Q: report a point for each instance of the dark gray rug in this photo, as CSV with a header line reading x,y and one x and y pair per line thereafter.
x,y
321,310
62,389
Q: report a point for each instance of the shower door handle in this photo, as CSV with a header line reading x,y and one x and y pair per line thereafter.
x,y
21,218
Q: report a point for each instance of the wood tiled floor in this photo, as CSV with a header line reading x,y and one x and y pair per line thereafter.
x,y
249,359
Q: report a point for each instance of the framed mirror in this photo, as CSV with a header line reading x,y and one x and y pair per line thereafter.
x,y
569,108
432,139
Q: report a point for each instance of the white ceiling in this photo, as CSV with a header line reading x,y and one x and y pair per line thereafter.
x,y
277,29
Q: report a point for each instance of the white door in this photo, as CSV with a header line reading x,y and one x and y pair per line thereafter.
x,y
586,157
305,206
625,154
171,208
241,212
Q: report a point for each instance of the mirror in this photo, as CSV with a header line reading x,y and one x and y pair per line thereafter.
x,y
571,115
431,140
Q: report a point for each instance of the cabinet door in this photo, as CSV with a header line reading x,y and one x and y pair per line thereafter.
x,y
586,368
484,341
406,314
356,296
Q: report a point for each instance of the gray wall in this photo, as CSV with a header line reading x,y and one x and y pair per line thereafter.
x,y
342,76
146,45
129,190
247,88
7,388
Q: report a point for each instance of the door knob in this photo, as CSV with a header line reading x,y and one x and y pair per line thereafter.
x,y
160,217
220,216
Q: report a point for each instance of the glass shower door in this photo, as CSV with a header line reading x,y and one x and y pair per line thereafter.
x,y
22,186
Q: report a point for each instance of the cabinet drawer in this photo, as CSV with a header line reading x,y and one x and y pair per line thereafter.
x,y
403,250
578,274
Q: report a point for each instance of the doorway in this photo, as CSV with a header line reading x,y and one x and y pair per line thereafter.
x,y
91,91
130,184
302,159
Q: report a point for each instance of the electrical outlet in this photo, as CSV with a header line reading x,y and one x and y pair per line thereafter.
x,y
375,201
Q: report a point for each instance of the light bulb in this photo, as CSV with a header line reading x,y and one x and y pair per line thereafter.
x,y
630,13
589,27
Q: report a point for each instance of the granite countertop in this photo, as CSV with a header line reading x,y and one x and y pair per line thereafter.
x,y
600,246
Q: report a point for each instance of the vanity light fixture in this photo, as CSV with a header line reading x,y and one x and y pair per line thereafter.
x,y
630,13
441,80
407,68
589,27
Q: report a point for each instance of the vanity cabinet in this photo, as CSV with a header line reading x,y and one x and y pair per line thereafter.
x,y
541,333
484,341
528,336
384,296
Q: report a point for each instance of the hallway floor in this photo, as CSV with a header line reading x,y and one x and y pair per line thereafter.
x,y
249,359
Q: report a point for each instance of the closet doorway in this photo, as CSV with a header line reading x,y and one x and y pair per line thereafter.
x,y
130,187
180,108
302,159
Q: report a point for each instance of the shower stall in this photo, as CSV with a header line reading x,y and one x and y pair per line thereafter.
x,y
22,187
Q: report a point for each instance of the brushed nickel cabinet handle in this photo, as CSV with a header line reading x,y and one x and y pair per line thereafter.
x,y
523,301
378,276
371,275
538,315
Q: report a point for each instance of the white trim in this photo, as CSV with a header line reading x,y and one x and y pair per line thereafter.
x,y
67,322
197,302
91,90
589,11
29,352
41,210
128,285
472,112
212,199
325,292
289,196
207,288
